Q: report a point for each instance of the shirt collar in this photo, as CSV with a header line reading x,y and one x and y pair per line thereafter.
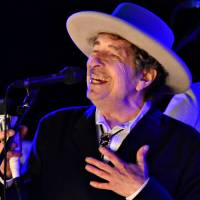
x,y
100,120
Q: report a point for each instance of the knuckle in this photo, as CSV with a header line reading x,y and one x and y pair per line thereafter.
x,y
101,173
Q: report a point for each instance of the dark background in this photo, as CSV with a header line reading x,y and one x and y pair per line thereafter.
x,y
36,43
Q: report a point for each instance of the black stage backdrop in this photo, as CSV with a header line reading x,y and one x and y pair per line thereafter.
x,y
36,43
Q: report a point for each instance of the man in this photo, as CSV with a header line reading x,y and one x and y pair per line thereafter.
x,y
186,106
122,147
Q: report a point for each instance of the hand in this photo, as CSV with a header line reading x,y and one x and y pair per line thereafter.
x,y
123,178
14,150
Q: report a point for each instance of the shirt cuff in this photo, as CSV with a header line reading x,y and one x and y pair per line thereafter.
x,y
132,196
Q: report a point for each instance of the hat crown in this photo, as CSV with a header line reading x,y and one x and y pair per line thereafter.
x,y
146,21
138,26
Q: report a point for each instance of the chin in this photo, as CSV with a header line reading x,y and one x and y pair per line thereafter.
x,y
94,97
91,96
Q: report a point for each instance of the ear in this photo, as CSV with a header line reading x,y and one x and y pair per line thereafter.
x,y
147,77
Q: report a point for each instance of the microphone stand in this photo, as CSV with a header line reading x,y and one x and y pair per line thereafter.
x,y
22,110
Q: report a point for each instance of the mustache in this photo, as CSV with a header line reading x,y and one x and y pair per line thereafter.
x,y
98,71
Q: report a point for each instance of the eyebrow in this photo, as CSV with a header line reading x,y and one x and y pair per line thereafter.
x,y
96,43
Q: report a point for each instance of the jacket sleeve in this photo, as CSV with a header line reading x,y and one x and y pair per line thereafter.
x,y
188,187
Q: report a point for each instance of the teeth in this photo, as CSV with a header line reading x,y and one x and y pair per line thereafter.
x,y
95,81
97,78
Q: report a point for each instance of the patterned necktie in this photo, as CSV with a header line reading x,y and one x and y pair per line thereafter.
x,y
106,138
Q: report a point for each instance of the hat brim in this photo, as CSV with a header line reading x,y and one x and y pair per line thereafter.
x,y
82,26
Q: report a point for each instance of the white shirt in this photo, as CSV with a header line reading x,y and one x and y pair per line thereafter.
x,y
117,139
186,106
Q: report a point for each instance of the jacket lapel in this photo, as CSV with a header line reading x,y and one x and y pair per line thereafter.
x,y
85,134
146,132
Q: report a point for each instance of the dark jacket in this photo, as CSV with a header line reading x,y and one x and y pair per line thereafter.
x,y
64,138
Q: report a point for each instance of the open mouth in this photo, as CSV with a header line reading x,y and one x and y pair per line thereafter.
x,y
96,79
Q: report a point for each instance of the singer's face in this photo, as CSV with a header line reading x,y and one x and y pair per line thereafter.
x,y
111,74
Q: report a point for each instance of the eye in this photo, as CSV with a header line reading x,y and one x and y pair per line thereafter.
x,y
114,56
94,51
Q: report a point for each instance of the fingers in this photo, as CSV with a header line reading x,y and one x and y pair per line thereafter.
x,y
14,144
14,150
141,158
23,130
102,169
118,163
100,173
122,178
98,168
99,164
10,133
104,186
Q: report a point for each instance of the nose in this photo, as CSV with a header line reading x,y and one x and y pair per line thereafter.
x,y
95,60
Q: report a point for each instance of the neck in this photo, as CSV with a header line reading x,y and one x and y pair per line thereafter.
x,y
118,113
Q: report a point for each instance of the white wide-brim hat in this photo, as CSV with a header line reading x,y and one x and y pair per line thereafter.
x,y
140,27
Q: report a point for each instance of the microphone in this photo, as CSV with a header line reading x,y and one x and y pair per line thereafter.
x,y
68,75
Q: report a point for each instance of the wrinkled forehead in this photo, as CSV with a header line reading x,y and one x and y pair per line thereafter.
x,y
112,36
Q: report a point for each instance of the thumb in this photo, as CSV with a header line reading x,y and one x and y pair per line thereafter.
x,y
15,166
141,158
